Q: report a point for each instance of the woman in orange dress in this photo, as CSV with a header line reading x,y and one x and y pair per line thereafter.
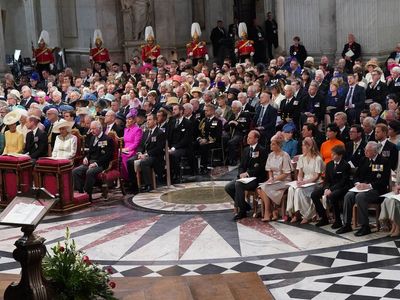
x,y
332,133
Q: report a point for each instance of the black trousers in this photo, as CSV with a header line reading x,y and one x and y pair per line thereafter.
x,y
334,199
236,190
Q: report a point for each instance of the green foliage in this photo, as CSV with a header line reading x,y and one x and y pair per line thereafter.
x,y
74,276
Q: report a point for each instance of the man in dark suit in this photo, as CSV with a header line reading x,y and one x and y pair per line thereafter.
x,y
373,175
236,128
179,138
336,184
355,148
101,149
150,154
36,139
252,164
27,98
394,81
217,34
375,110
265,119
340,120
376,89
355,48
386,149
368,126
354,100
210,135
313,103
110,125
271,34
290,108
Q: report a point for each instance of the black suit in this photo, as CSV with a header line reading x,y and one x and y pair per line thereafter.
x,y
271,34
248,108
101,153
345,135
377,93
180,138
390,152
314,105
117,129
212,133
27,102
266,124
153,145
369,137
394,87
252,162
337,181
290,109
299,52
356,48
217,34
235,134
377,174
36,145
355,156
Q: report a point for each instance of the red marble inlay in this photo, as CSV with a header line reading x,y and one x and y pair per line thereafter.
x,y
77,223
267,229
124,230
189,232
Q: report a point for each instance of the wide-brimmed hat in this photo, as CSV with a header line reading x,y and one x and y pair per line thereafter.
x,y
196,90
62,123
82,111
16,94
172,100
108,97
12,117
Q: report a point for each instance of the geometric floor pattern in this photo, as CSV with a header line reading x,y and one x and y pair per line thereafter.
x,y
294,261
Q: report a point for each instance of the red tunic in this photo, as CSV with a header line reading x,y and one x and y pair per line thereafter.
x,y
198,49
150,51
44,56
244,47
100,55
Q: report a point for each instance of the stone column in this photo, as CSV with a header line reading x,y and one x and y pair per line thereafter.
x,y
3,66
32,31
280,19
50,21
327,28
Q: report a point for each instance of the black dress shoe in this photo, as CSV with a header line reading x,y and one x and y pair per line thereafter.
x,y
322,222
344,229
364,230
239,216
248,207
146,189
336,225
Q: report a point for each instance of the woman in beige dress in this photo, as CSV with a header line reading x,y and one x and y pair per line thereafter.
x,y
390,207
279,173
310,166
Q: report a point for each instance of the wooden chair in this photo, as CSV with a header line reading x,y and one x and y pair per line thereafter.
x,y
371,206
80,149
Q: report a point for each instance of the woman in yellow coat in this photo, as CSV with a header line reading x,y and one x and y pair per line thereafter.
x,y
14,140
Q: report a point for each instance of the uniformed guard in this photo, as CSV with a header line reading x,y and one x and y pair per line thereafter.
x,y
43,55
150,50
98,54
244,47
196,49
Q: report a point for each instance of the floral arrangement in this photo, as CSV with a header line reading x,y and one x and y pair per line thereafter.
x,y
72,276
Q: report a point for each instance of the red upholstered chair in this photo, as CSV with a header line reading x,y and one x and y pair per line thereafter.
x,y
16,175
55,175
112,175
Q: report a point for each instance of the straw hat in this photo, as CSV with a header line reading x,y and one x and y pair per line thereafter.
x,y
12,117
62,123
82,111
196,90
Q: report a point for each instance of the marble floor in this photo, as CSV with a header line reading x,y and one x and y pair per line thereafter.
x,y
294,261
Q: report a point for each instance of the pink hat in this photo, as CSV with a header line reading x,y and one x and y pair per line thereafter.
x,y
177,78
132,113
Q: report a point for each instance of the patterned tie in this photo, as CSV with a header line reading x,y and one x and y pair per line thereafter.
x,y
349,96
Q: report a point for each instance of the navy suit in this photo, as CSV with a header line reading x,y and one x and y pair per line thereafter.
x,y
267,122
358,101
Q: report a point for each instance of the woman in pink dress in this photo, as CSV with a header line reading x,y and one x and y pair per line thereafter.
x,y
132,138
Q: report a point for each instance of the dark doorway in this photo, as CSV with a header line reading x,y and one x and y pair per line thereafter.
x,y
245,10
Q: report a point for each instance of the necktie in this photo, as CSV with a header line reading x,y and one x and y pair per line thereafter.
x,y
349,96
251,152
355,147
96,139
260,117
335,166
177,123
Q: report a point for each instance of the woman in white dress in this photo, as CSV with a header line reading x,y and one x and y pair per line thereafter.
x,y
66,143
279,173
310,166
390,207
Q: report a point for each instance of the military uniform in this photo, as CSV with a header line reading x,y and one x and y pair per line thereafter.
x,y
100,55
212,132
43,55
244,49
196,49
150,50
236,132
